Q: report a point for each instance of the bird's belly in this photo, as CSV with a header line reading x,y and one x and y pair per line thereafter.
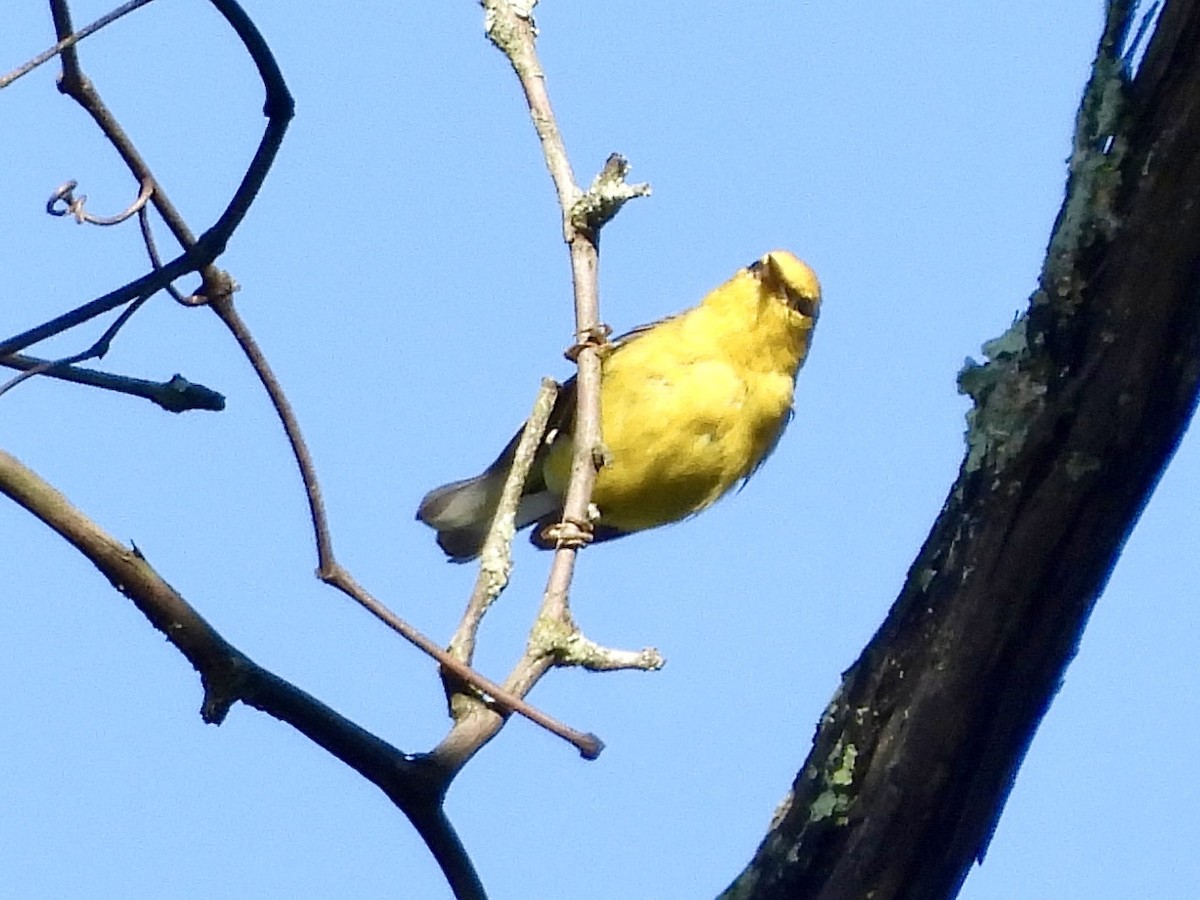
x,y
663,478
675,446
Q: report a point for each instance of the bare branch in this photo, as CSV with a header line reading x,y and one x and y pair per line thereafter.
x,y
70,41
554,638
98,349
496,556
152,251
416,784
174,395
217,289
413,783
511,28
509,25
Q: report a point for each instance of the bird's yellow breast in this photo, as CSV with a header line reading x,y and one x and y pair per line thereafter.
x,y
692,405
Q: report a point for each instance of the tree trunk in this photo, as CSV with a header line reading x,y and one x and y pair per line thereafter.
x,y
1077,413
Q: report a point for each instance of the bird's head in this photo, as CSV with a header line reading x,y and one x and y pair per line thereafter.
x,y
791,278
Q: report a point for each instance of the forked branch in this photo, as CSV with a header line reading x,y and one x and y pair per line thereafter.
x,y
555,639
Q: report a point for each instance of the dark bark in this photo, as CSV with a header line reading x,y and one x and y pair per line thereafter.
x,y
1078,412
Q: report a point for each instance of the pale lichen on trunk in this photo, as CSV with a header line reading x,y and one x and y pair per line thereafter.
x,y
1010,386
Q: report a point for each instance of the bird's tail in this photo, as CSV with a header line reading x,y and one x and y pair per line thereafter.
x,y
462,511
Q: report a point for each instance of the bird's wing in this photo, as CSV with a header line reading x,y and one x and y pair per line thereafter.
x,y
562,417
632,334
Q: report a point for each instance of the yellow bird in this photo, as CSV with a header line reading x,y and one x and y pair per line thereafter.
x,y
690,406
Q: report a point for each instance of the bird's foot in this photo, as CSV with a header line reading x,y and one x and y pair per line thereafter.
x,y
571,532
597,336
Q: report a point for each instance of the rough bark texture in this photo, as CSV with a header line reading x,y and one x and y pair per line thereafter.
x,y
1078,411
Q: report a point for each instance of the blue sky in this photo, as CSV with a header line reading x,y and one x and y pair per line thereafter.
x,y
404,271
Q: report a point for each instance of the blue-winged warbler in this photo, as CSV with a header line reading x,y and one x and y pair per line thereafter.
x,y
690,406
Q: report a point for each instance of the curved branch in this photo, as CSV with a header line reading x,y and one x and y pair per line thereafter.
x,y
75,206
413,783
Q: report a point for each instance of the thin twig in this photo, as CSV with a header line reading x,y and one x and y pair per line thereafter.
x,y
232,320
97,350
496,555
174,395
198,256
278,107
511,28
414,783
74,206
152,251
74,84
70,41
218,288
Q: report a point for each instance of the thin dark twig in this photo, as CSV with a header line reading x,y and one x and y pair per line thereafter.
x,y
429,819
500,699
175,395
403,776
278,107
156,261
145,285
96,351
228,314
74,84
67,43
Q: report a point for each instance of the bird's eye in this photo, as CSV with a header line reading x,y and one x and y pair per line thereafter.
x,y
804,304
